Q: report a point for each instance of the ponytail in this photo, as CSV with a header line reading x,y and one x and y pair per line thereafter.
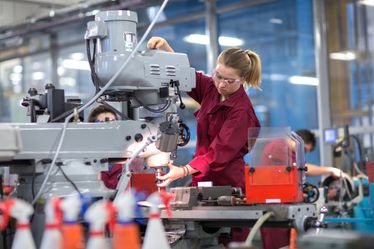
x,y
254,76
246,62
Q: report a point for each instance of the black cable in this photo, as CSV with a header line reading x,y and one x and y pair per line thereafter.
x,y
352,158
160,110
176,84
358,146
91,62
33,117
68,179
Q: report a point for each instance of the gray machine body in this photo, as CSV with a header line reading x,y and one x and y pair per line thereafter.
x,y
147,73
88,148
200,218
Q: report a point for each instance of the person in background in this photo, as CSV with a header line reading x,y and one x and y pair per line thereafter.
x,y
274,238
101,114
274,153
223,119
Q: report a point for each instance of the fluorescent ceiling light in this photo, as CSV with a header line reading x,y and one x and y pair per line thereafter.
x,y
17,69
302,80
77,56
367,2
343,56
38,75
197,39
276,21
68,81
230,41
15,77
275,77
92,13
152,11
60,71
78,65
222,40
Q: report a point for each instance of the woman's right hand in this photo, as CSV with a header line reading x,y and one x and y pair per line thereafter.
x,y
159,43
173,174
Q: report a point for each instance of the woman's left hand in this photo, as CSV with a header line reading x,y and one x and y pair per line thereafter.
x,y
173,174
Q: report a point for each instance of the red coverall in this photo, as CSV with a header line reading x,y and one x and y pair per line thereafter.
x,y
222,137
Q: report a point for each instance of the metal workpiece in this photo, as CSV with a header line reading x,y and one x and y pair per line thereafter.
x,y
189,197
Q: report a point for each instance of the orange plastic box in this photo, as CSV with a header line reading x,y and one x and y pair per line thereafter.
x,y
273,184
277,165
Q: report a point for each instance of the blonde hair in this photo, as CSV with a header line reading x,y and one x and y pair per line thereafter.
x,y
246,62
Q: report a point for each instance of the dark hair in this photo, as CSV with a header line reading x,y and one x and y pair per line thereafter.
x,y
308,137
246,62
97,111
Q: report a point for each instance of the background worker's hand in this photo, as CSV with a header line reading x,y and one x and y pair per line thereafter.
x,y
173,174
336,173
159,43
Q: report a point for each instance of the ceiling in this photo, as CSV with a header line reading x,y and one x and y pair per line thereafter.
x,y
17,12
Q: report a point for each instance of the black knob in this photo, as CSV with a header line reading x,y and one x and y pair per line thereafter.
x,y
49,86
138,137
128,138
143,126
32,91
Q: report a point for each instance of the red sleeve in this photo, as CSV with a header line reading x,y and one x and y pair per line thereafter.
x,y
202,84
110,178
232,137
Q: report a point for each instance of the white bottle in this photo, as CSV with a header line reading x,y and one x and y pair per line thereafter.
x,y
97,215
52,237
155,236
21,211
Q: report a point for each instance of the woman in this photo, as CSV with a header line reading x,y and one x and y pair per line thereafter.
x,y
223,120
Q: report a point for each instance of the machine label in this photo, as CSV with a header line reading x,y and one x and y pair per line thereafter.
x,y
273,200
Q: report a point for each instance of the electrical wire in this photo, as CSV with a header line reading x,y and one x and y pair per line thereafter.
x,y
256,227
70,181
360,173
92,100
91,62
160,110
